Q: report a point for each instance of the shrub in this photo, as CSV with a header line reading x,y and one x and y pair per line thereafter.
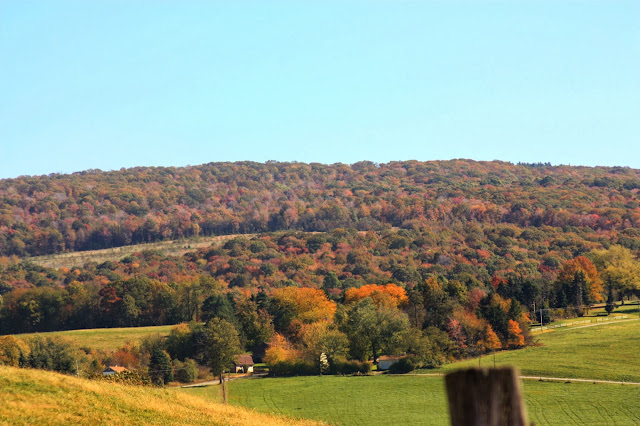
x,y
185,372
133,377
403,366
350,367
293,368
52,354
13,351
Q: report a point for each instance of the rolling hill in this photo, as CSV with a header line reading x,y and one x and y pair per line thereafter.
x,y
42,397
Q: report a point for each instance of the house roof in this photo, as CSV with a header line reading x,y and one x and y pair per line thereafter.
x,y
244,359
390,357
116,368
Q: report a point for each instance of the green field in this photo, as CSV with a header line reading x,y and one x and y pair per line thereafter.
x,y
104,338
387,400
608,352
604,352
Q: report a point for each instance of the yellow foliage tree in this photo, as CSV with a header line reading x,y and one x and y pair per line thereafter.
x,y
618,268
12,350
280,350
581,264
310,304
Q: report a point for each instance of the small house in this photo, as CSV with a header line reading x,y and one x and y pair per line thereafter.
x,y
386,361
243,363
113,369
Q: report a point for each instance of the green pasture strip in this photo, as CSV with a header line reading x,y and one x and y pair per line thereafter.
x,y
581,322
393,400
596,315
366,400
607,352
104,338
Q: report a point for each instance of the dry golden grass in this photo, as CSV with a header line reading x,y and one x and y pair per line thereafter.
x,y
172,248
42,397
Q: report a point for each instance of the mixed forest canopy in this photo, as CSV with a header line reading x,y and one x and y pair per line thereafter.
x,y
93,209
440,259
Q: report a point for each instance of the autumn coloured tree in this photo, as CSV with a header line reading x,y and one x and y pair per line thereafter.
x,y
619,269
578,282
515,336
13,351
280,350
490,341
307,305
381,295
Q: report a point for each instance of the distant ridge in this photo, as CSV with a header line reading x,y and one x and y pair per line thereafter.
x,y
93,210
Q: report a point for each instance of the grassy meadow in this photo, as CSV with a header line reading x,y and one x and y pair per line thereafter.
x,y
42,397
104,338
420,400
605,352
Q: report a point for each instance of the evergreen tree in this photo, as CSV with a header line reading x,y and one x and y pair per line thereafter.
x,y
610,300
160,369
515,310
579,283
218,306
262,299
546,313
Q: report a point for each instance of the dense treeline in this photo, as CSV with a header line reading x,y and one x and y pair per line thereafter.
x,y
287,289
94,209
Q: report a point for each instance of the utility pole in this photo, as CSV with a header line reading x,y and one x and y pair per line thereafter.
x,y
77,369
541,320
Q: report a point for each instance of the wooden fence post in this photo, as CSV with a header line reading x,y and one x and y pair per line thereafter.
x,y
223,381
485,397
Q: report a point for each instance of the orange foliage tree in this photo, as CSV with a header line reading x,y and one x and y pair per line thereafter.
x,y
382,295
490,340
515,339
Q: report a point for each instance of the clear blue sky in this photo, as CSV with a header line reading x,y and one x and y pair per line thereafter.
x,y
111,84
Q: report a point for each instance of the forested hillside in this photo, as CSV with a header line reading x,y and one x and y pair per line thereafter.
x,y
444,259
94,209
